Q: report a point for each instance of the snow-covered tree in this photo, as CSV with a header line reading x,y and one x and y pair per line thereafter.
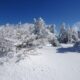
x,y
39,25
79,34
63,36
74,34
52,28
69,33
44,33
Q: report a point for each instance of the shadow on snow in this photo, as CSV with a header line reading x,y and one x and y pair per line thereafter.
x,y
69,49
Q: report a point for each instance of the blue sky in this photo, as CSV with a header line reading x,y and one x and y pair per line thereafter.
x,y
52,11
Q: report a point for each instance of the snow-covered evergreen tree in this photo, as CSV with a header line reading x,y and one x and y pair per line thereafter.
x,y
52,28
43,33
74,34
69,32
39,25
63,36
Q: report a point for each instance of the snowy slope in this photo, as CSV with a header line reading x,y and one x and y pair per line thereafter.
x,y
49,64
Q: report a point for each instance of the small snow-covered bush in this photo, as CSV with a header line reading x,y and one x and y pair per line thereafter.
x,y
5,46
54,42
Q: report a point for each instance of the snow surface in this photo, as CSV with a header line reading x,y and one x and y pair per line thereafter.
x,y
48,64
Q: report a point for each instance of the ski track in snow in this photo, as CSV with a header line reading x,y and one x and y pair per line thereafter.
x,y
48,65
